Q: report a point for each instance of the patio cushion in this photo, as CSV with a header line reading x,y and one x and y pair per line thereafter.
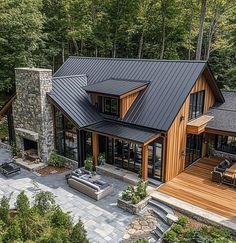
x,y
88,183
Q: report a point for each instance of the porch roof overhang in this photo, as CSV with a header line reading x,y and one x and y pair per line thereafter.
x,y
198,125
124,132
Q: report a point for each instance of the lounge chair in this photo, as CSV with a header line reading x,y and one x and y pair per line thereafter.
x,y
217,176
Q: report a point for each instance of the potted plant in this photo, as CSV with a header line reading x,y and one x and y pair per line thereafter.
x,y
101,159
88,164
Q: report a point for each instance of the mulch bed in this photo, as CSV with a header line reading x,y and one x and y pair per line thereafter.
x,y
49,170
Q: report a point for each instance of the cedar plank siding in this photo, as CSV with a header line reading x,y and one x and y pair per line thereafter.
x,y
177,133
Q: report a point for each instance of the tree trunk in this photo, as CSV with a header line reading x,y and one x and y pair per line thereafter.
x,y
211,31
190,34
163,3
140,49
75,46
63,53
201,28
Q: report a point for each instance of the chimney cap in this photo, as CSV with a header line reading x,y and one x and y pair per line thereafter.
x,y
34,69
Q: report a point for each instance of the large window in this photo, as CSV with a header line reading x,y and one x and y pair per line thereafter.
x,y
66,137
196,105
226,144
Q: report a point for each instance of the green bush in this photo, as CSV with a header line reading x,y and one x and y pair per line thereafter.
x,y
30,225
170,236
56,160
44,201
135,198
142,189
183,220
177,228
4,209
88,165
127,194
217,233
141,241
135,195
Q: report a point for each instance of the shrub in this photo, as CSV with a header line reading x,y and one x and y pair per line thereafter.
x,y
4,209
140,172
183,220
141,241
88,165
177,228
56,160
14,232
127,194
170,236
135,198
44,201
142,189
216,233
23,206
60,219
78,233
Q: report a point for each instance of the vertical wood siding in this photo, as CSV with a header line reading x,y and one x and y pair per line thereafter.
x,y
177,134
126,103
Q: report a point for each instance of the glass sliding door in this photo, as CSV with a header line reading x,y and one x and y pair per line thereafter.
x,y
193,149
155,159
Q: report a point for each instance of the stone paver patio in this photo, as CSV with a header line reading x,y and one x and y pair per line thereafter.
x,y
103,220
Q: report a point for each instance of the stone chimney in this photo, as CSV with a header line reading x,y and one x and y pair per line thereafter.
x,y
32,113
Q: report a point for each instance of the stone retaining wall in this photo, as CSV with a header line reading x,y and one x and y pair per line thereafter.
x,y
133,208
69,163
5,146
224,155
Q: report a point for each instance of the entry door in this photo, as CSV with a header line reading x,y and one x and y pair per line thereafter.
x,y
193,149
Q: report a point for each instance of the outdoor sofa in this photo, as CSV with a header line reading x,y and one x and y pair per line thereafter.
x,y
84,183
220,174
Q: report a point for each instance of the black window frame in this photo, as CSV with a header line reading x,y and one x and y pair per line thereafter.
x,y
223,145
109,110
196,104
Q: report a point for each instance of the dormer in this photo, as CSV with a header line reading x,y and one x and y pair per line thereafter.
x,y
114,96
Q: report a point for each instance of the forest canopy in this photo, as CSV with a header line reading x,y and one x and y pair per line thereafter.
x,y
43,33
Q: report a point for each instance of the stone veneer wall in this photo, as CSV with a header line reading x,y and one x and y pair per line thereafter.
x,y
31,110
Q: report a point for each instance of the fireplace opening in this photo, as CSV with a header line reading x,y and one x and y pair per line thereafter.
x,y
30,150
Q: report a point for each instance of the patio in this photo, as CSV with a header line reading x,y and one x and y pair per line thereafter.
x,y
195,186
103,220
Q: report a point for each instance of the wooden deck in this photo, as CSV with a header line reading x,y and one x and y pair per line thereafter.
x,y
194,186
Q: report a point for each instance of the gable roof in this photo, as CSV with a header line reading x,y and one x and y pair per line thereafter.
x,y
68,95
159,104
224,114
115,87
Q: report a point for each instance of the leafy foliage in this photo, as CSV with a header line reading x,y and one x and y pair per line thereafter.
x,y
45,32
40,223
179,232
135,195
88,165
56,160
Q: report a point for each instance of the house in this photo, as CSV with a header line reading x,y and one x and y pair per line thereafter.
x,y
156,116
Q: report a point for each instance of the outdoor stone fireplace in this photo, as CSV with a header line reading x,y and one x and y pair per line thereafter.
x,y
33,114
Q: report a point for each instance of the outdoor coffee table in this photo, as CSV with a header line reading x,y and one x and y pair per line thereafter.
x,y
8,169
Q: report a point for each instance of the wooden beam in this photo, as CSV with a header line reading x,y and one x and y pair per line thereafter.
x,y
95,145
219,132
145,163
7,105
152,139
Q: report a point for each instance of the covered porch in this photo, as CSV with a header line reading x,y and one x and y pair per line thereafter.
x,y
195,186
128,148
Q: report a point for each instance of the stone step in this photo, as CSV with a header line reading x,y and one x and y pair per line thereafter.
x,y
160,215
161,206
161,229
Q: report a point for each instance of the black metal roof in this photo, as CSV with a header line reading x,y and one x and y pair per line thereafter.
x,y
114,87
224,114
159,104
69,96
122,131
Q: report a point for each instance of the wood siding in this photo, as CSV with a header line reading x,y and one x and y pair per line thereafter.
x,y
177,134
126,103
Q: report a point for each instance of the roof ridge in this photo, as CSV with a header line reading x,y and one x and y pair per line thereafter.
x,y
136,59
